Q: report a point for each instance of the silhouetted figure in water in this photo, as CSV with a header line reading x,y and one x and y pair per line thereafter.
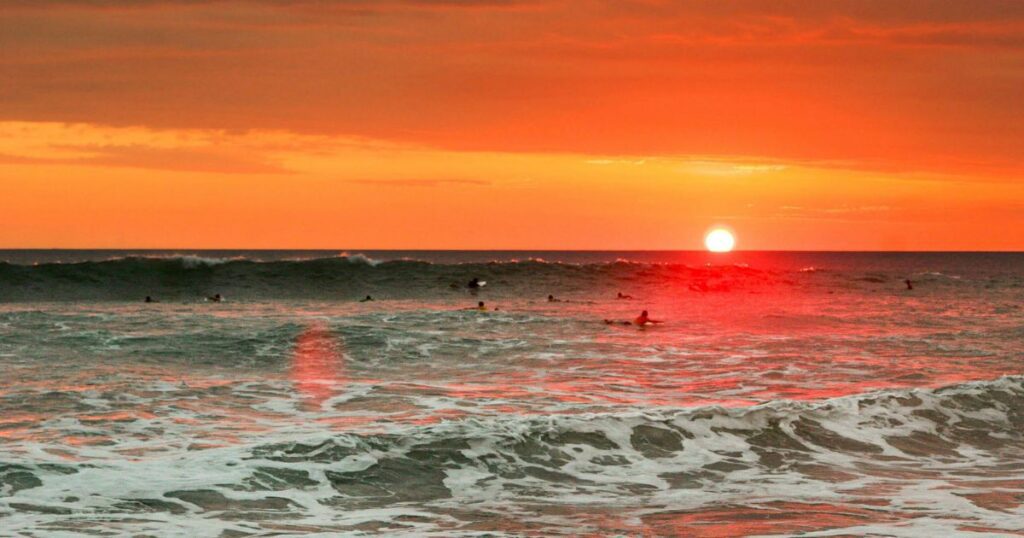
x,y
366,299
910,285
216,298
551,299
643,319
474,284
640,321
149,299
479,306
621,296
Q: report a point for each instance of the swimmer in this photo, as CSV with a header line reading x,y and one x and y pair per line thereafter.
x,y
551,299
216,298
479,306
621,296
640,321
366,299
910,285
149,299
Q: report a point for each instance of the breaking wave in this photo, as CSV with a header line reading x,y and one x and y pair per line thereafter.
x,y
352,276
408,476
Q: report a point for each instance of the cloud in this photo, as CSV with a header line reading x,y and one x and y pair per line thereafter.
x,y
420,182
352,5
608,162
843,210
135,147
735,167
169,159
909,85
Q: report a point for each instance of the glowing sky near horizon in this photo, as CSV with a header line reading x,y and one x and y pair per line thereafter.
x,y
487,124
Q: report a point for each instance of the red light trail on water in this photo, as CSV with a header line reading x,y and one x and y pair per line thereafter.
x,y
318,364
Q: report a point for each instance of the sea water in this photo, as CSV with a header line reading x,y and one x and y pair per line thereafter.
x,y
783,393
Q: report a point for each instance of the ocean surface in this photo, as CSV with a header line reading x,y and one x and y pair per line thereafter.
x,y
784,393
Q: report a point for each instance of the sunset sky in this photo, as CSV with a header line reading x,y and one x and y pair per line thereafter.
x,y
490,124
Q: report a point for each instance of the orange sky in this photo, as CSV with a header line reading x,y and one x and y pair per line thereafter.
x,y
800,124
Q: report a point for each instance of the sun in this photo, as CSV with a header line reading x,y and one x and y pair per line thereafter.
x,y
719,240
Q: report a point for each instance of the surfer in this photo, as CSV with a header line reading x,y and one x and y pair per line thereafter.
x,y
551,299
910,285
366,299
475,284
479,306
216,298
643,319
621,296
640,321
149,299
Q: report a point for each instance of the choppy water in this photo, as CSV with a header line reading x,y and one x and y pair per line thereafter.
x,y
785,393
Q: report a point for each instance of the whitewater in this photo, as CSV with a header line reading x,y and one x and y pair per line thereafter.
x,y
785,393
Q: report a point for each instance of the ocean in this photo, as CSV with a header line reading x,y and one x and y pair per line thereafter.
x,y
783,393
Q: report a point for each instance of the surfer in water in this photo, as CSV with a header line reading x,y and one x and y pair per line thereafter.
x,y
479,306
366,299
640,321
621,296
216,298
475,284
910,285
551,299
149,299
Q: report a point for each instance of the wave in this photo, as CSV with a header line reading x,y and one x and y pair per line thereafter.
x,y
784,451
969,417
344,276
917,432
350,276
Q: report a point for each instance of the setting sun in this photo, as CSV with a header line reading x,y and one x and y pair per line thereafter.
x,y
719,240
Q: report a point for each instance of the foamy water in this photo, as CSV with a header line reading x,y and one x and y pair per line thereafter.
x,y
783,394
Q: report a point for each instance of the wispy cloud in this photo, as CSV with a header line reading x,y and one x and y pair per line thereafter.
x,y
731,168
423,182
607,162
170,159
